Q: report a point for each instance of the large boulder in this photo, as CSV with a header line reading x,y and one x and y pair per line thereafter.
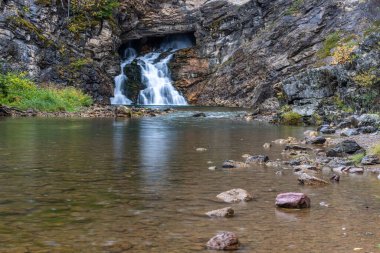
x,y
343,148
292,200
235,195
326,129
224,241
226,212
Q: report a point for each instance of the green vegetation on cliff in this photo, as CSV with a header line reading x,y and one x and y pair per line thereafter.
x,y
18,91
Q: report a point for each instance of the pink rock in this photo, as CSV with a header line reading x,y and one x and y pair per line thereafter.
x,y
224,241
292,200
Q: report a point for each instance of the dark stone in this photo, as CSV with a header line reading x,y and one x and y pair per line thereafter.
x,y
345,147
370,160
229,164
367,129
201,114
335,178
316,140
292,200
224,241
257,159
296,147
326,129
5,111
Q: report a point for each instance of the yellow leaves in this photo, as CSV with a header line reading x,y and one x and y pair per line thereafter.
x,y
343,53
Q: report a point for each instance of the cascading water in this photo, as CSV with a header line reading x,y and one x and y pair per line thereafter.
x,y
120,80
155,74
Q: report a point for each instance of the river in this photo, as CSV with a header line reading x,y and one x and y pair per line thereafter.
x,y
139,185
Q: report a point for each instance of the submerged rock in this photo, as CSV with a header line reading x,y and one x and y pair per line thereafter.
x,y
296,147
306,179
226,212
224,241
345,147
257,159
305,167
198,115
335,178
231,164
235,195
267,145
201,149
353,170
292,200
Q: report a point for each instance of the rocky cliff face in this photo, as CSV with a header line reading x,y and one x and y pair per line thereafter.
x,y
293,52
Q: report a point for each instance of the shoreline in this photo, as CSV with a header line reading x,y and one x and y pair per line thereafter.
x,y
94,111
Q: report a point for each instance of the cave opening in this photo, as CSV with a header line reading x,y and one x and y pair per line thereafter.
x,y
152,43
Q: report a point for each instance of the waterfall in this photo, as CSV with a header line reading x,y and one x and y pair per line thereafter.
x,y
120,80
155,73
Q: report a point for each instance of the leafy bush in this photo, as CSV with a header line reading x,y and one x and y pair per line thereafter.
x,y
291,118
18,91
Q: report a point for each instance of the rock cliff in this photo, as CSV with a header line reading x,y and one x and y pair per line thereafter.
x,y
304,55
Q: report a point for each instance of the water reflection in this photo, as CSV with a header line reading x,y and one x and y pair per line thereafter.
x,y
119,146
156,138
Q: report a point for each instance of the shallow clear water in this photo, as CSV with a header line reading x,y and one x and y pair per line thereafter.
x,y
103,185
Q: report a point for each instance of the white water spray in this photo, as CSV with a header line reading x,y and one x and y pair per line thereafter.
x,y
119,97
155,74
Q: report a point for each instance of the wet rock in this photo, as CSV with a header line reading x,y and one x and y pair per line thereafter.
x,y
280,141
345,147
326,129
201,149
226,212
368,120
5,111
335,178
367,129
306,179
123,112
198,115
235,195
370,160
230,164
349,132
212,168
257,159
322,160
344,124
310,134
304,168
224,241
339,169
267,145
316,140
296,147
338,162
353,170
292,200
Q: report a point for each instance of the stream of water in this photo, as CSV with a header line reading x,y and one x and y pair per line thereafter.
x,y
139,185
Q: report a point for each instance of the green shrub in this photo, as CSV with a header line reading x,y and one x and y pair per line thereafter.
x,y
18,91
330,42
356,159
291,118
367,78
